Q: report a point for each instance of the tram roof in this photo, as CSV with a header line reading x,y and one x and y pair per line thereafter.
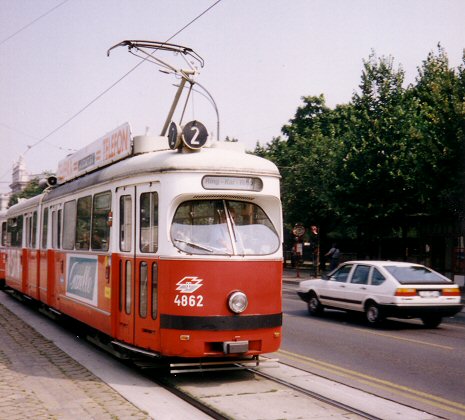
x,y
218,158
24,204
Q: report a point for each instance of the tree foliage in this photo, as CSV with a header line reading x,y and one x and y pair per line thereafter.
x,y
391,154
31,189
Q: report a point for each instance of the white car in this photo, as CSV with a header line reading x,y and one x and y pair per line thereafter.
x,y
384,289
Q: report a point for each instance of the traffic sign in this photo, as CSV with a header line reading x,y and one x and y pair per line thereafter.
x,y
298,230
174,138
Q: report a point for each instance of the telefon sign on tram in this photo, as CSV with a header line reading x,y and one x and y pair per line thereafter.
x,y
110,148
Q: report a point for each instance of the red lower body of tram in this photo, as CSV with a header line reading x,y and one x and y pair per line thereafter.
x,y
172,308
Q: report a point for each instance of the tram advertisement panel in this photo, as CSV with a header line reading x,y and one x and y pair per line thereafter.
x,y
13,265
82,279
112,147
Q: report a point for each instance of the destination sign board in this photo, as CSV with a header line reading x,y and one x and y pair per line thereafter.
x,y
113,146
232,183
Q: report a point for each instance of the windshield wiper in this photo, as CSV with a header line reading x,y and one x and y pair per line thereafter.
x,y
193,245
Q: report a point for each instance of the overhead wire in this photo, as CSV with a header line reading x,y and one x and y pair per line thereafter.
x,y
23,133
117,81
80,111
3,41
32,22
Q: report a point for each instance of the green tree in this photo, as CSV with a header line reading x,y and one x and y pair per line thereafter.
x,y
377,186
304,160
31,189
438,134
372,166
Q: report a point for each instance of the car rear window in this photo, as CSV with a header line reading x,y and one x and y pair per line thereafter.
x,y
416,275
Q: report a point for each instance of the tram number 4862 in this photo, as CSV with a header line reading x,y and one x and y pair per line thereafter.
x,y
184,300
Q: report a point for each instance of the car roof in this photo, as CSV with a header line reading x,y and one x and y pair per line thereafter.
x,y
383,263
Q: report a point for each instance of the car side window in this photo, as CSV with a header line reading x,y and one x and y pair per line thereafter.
x,y
360,275
341,274
377,278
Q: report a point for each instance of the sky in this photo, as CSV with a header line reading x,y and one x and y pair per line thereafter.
x,y
60,90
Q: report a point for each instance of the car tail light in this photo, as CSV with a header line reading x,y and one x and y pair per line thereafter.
x,y
451,291
406,292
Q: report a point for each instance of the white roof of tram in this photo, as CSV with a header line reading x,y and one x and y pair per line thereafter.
x,y
152,157
209,159
216,159
117,151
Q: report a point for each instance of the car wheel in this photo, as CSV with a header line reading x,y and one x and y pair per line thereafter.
x,y
431,321
373,314
314,305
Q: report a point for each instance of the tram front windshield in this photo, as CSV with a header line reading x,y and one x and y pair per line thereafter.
x,y
223,227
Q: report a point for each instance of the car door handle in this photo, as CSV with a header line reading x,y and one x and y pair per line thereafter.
x,y
363,288
342,285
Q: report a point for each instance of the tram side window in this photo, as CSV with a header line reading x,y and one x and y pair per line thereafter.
x,y
143,296
3,237
56,229
28,231
31,226
69,225
34,229
154,290
121,285
44,228
84,208
125,223
148,222
15,231
59,229
100,223
128,288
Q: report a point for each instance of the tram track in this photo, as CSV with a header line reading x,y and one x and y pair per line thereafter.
x,y
317,396
199,405
236,392
284,392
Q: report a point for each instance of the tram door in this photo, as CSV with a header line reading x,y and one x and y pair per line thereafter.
x,y
31,256
138,266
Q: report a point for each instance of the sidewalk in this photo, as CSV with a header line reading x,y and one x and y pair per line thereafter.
x,y
38,380
63,377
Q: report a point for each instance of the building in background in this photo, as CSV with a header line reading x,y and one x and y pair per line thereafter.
x,y
19,179
20,176
4,198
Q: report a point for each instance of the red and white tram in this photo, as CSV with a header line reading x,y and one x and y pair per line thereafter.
x,y
158,244
174,252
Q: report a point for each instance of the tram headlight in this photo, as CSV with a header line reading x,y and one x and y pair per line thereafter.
x,y
238,302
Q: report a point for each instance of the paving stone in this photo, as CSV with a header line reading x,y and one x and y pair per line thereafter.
x,y
39,381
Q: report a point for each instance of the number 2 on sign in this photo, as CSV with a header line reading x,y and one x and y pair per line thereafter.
x,y
194,140
191,300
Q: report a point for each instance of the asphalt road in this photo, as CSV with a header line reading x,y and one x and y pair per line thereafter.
x,y
401,360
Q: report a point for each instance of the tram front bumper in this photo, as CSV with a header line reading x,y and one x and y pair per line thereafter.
x,y
231,347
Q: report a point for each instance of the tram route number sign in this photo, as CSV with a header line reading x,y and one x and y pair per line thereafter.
x,y
174,138
298,231
194,135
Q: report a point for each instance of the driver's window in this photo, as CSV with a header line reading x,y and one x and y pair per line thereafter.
x,y
223,227
341,274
